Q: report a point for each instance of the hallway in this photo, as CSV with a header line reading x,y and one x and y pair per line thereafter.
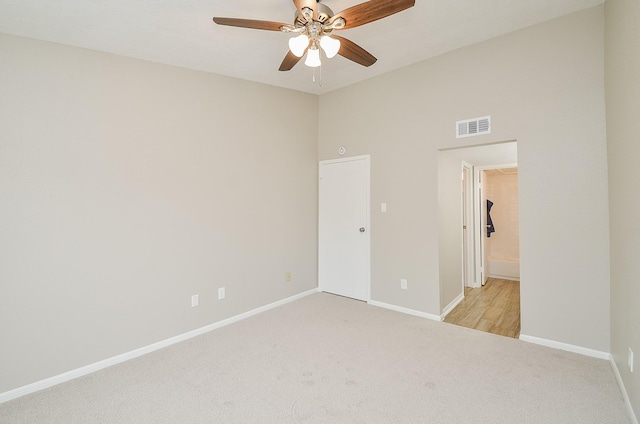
x,y
493,308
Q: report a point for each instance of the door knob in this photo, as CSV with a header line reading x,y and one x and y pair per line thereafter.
x,y
362,229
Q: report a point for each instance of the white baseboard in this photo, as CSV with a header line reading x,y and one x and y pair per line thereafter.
x,y
404,310
504,277
451,305
79,372
565,346
623,389
595,354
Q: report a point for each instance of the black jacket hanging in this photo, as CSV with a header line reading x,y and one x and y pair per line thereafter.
x,y
490,227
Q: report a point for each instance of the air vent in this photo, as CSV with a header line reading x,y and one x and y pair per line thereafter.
x,y
475,126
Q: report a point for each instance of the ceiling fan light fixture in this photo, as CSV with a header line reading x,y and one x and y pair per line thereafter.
x,y
331,46
313,57
299,44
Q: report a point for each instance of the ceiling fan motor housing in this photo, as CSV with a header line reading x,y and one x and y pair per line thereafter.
x,y
324,14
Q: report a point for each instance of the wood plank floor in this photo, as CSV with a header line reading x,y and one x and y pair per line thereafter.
x,y
494,308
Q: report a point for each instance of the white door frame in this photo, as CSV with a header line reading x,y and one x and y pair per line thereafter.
x,y
480,209
367,233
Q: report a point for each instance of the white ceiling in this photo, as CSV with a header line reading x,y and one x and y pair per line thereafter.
x,y
182,33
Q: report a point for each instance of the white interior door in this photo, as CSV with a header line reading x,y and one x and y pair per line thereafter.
x,y
468,264
480,228
343,227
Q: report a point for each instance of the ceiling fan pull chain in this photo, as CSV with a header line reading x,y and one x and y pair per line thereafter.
x,y
314,75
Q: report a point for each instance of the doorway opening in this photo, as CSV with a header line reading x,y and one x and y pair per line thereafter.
x,y
488,234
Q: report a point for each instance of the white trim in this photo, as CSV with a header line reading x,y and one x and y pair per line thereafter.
x,y
451,305
88,369
565,346
367,159
625,395
346,159
404,310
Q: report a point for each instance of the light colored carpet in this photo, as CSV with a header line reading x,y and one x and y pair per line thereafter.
x,y
328,359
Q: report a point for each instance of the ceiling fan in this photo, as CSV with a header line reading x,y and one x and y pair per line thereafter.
x,y
314,24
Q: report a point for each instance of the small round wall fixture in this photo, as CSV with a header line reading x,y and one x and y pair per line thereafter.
x,y
342,150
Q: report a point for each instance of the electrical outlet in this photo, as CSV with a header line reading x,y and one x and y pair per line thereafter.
x,y
221,293
287,276
195,300
630,360
403,283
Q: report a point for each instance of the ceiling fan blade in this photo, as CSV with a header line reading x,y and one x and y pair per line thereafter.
x,y
249,23
289,61
354,52
311,4
372,10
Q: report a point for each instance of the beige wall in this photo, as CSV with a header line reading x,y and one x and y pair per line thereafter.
x,y
623,111
128,186
543,86
449,201
502,190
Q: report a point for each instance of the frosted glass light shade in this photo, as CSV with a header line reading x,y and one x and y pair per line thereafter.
x,y
331,46
313,57
298,44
